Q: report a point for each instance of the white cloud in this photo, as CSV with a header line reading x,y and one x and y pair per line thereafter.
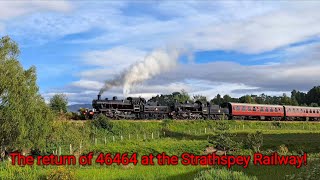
x,y
114,57
11,9
86,84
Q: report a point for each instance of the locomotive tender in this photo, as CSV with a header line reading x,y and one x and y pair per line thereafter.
x,y
138,108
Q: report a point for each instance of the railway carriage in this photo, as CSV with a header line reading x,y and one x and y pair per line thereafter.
x,y
255,111
302,113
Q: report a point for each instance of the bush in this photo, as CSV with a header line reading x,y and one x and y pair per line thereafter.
x,y
283,149
102,122
222,174
20,173
222,125
254,141
225,142
72,116
61,174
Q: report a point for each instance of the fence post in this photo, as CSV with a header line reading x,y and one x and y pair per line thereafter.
x,y
95,141
113,138
205,130
243,126
164,134
152,135
129,137
145,136
121,137
59,150
105,140
158,134
137,136
70,149
80,149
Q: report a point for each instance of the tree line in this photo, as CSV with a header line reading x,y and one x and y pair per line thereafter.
x,y
297,98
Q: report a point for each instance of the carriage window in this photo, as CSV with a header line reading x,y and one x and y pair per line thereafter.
x,y
234,108
289,110
254,108
267,110
261,109
249,108
238,108
271,109
244,108
275,109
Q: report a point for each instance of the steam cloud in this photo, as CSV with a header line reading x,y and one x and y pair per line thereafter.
x,y
158,61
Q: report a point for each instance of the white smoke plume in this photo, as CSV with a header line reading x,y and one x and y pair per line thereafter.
x,y
158,61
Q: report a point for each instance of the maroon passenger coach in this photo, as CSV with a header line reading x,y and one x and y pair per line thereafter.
x,y
255,111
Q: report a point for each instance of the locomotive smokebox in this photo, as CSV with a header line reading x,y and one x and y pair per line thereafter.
x,y
99,96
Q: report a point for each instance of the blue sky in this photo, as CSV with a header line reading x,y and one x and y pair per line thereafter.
x,y
226,47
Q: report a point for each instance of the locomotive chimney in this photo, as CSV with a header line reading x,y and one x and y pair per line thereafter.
x,y
99,96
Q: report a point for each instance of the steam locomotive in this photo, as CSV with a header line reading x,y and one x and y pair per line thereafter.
x,y
138,108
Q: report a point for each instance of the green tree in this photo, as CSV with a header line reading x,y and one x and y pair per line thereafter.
x,y
227,98
182,97
224,139
313,95
202,99
59,102
285,100
217,100
246,99
255,141
25,119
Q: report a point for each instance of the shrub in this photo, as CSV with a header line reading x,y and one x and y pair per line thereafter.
x,y
225,142
102,122
20,173
222,125
254,141
61,173
283,149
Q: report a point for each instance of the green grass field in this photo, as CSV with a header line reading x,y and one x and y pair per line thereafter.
x,y
174,138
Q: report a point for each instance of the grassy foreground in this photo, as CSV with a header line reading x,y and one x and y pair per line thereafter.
x,y
173,138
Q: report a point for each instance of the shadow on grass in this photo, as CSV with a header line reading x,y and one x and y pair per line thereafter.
x,y
298,142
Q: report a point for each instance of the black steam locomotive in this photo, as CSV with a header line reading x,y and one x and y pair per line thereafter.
x,y
138,108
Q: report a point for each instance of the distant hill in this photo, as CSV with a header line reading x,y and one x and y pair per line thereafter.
x,y
76,107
